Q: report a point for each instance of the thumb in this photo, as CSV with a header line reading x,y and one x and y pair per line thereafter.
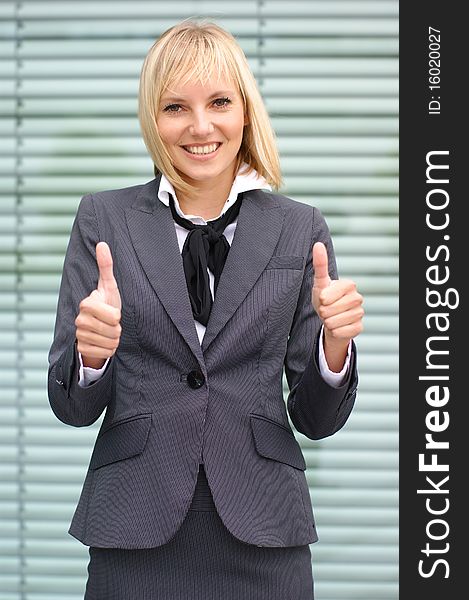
x,y
106,282
320,266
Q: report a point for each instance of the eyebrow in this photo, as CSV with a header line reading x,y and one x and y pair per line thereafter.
x,y
175,99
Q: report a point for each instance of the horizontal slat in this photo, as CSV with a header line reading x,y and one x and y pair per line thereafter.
x,y
331,27
59,594
8,10
63,492
376,284
316,86
372,184
7,27
51,584
271,46
354,553
10,586
338,459
374,498
365,516
8,110
82,26
351,439
356,573
354,534
328,66
104,27
324,46
331,7
313,77
34,107
96,9
123,10
9,528
347,478
10,510
7,70
7,165
271,67
47,473
334,590
66,548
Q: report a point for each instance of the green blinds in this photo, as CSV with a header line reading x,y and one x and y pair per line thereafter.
x,y
69,79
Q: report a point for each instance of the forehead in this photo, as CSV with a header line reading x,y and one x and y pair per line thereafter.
x,y
206,84
188,93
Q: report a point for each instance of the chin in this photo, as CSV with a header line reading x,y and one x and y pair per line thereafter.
x,y
203,173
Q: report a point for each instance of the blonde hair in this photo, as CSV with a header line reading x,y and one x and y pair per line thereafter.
x,y
193,51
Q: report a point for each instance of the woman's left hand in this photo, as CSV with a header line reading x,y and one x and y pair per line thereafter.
x,y
338,304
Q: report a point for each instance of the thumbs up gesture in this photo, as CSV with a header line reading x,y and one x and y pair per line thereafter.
x,y
98,328
339,306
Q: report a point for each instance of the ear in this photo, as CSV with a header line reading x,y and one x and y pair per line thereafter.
x,y
246,120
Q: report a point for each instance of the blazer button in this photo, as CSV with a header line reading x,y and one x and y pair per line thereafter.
x,y
195,379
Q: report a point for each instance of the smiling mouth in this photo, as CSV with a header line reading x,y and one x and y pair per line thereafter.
x,y
218,144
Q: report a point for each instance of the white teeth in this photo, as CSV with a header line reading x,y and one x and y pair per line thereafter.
x,y
201,149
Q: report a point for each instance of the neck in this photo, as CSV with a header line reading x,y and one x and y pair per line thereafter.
x,y
208,200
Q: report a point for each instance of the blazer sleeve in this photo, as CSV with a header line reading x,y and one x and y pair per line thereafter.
x,y
71,403
317,409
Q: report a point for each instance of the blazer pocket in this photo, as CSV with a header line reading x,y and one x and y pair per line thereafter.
x,y
121,440
286,262
274,440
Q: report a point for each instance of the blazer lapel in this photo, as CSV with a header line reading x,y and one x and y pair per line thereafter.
x,y
256,235
154,238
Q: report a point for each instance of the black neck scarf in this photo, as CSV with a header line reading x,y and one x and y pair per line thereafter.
x,y
205,246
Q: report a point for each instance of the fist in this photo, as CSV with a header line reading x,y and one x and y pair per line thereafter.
x,y
337,302
98,328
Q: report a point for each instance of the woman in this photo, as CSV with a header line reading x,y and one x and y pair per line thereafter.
x,y
180,303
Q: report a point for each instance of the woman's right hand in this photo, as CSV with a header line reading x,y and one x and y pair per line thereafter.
x,y
98,328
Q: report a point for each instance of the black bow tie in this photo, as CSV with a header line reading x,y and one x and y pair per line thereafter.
x,y
205,246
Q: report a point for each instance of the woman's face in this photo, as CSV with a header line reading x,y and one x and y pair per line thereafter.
x,y
195,117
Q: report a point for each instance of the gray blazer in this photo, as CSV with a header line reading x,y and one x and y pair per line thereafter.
x,y
171,402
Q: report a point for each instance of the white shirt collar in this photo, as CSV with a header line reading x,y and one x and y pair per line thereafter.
x,y
242,183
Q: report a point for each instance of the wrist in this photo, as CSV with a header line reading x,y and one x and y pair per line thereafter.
x,y
335,352
335,344
94,363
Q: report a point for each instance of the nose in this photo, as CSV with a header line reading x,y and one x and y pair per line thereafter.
x,y
202,125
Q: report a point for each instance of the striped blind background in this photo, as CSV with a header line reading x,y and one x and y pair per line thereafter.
x,y
69,80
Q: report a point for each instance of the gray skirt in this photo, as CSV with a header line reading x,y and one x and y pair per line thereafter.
x,y
203,561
